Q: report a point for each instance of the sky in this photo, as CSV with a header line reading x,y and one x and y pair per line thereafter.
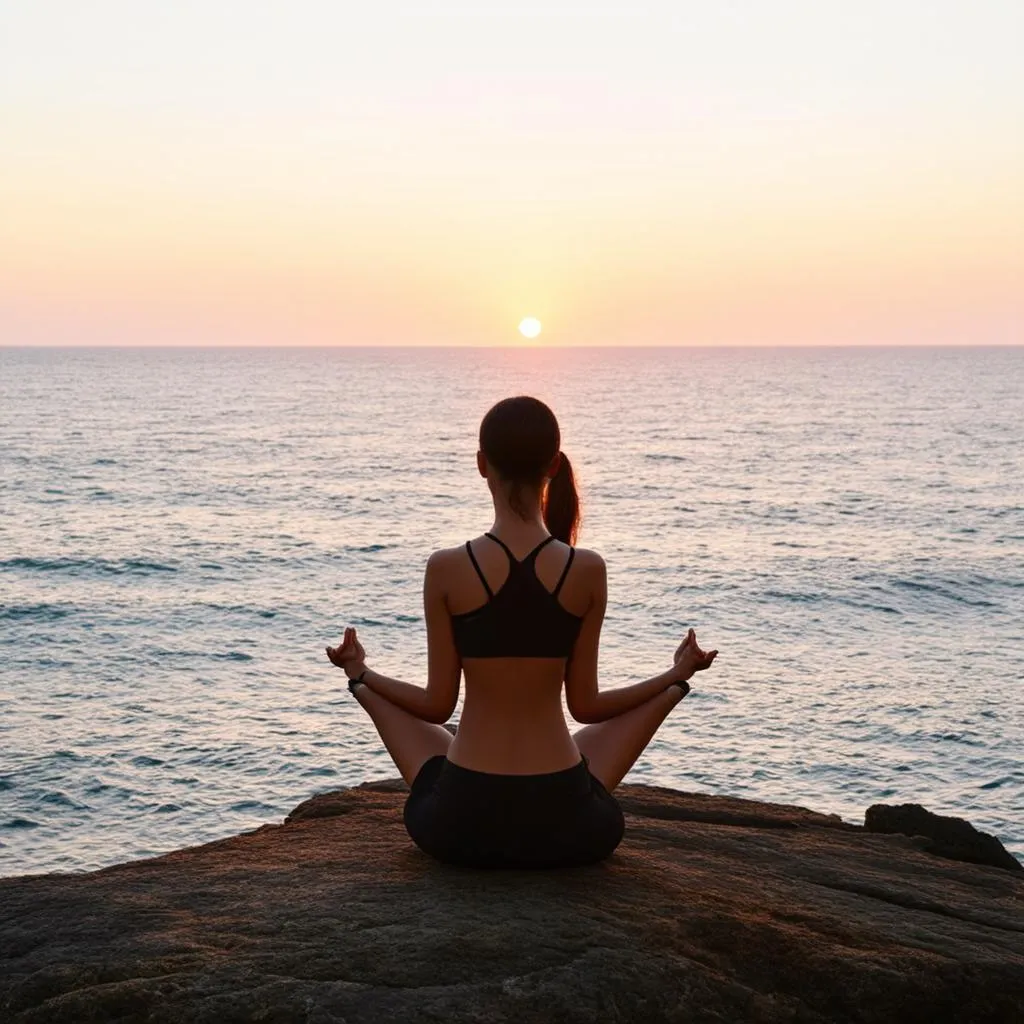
x,y
336,173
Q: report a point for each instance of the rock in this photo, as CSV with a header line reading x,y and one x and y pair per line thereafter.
x,y
946,837
368,796
711,909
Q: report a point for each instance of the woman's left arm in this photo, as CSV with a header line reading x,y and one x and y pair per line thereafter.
x,y
437,701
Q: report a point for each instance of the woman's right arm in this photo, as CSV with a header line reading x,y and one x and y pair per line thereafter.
x,y
586,703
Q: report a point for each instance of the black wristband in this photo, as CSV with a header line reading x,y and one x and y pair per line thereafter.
x,y
352,683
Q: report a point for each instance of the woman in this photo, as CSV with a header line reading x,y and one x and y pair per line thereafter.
x,y
519,611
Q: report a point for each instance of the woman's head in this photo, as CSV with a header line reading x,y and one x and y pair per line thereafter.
x,y
520,439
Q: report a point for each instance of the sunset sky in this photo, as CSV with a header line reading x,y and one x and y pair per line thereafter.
x,y
213,172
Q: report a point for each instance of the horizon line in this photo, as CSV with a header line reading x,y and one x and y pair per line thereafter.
x,y
510,346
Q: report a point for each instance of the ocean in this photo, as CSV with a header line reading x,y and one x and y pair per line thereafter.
x,y
183,531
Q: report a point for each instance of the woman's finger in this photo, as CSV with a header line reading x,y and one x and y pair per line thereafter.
x,y
681,649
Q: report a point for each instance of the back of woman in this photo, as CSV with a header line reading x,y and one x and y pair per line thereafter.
x,y
517,613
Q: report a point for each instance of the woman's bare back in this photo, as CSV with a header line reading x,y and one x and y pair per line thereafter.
x,y
512,720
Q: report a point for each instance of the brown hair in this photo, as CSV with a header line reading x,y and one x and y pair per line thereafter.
x,y
519,437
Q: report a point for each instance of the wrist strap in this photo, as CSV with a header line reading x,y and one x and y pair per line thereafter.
x,y
353,683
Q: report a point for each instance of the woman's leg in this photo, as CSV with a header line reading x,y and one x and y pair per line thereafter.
x,y
410,740
611,747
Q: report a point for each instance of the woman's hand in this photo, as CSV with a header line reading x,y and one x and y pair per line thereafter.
x,y
349,654
689,657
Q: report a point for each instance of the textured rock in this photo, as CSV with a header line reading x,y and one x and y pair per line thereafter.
x,y
712,909
946,837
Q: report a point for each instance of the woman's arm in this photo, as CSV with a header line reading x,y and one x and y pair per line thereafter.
x,y
408,696
586,703
437,701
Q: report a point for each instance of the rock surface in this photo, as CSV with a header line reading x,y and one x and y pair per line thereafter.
x,y
711,909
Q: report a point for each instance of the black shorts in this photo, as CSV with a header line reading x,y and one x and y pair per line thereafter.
x,y
479,819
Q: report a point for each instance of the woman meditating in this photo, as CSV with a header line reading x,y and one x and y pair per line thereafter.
x,y
519,611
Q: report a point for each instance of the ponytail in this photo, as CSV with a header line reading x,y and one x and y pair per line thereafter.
x,y
562,504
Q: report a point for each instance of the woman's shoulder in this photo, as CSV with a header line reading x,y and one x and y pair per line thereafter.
x,y
590,560
445,556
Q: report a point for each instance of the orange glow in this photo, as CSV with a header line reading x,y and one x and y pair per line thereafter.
x,y
109,236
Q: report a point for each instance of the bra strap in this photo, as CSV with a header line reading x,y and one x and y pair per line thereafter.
x,y
565,572
476,565
511,557
536,551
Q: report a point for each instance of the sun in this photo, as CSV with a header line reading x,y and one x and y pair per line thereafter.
x,y
530,327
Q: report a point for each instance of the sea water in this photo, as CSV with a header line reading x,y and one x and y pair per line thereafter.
x,y
182,532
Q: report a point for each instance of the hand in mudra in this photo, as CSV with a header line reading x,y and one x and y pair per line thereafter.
x,y
349,654
689,657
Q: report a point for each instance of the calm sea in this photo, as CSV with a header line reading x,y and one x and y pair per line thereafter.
x,y
183,531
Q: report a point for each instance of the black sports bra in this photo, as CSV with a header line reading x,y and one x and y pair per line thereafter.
x,y
523,619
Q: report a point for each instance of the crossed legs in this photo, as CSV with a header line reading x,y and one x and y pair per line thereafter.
x,y
611,747
410,741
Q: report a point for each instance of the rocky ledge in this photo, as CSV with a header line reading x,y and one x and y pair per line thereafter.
x,y
711,909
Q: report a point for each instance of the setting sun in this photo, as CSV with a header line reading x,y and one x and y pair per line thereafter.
x,y
530,327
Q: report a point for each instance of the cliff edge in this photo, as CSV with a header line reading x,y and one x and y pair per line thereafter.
x,y
711,909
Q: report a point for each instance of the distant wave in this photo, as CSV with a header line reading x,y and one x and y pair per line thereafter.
x,y
43,612
942,592
76,565
263,613
165,653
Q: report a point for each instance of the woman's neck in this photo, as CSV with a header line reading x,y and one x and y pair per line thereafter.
x,y
509,524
